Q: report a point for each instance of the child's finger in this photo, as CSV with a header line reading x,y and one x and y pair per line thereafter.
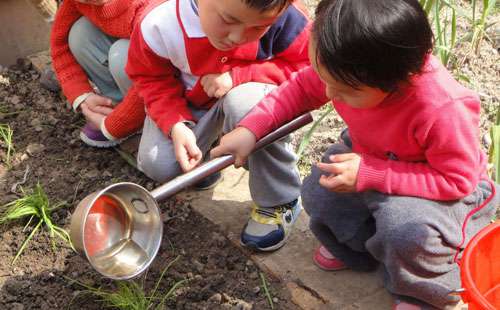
x,y
337,158
182,157
104,110
330,168
218,151
219,93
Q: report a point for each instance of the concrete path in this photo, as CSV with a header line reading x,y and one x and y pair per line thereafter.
x,y
228,206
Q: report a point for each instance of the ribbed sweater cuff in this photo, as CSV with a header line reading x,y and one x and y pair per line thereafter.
x,y
372,174
257,126
105,132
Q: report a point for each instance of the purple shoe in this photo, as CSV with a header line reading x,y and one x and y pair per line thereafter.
x,y
95,138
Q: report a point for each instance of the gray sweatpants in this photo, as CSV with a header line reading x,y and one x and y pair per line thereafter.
x,y
102,57
273,176
414,239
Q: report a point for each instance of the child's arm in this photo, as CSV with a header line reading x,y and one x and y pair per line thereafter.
x,y
158,84
304,92
454,159
74,81
283,48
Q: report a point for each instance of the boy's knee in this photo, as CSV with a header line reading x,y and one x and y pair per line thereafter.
x,y
117,58
160,171
241,99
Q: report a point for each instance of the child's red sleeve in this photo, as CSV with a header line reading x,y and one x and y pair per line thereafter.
x,y
158,84
303,92
70,74
454,159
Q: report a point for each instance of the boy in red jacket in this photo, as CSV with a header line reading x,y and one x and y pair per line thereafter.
x,y
200,67
409,189
90,41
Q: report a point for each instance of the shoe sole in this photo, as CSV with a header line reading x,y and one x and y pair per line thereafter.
x,y
328,269
102,145
254,247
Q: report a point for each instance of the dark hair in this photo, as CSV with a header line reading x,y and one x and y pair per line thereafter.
x,y
265,5
377,43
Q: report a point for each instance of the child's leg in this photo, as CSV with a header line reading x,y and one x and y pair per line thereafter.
x,y
117,58
341,222
90,47
156,156
416,241
274,178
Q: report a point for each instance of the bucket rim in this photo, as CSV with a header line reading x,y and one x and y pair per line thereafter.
x,y
471,293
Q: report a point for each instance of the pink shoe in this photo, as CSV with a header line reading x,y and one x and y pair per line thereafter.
x,y
402,305
326,261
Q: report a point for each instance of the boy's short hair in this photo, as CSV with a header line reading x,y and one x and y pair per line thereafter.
x,y
377,43
265,5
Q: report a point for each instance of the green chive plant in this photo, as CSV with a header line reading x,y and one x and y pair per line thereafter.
x,y
494,157
6,141
130,295
443,18
481,24
266,290
37,208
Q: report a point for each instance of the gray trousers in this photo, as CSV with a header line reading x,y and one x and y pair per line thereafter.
x,y
102,57
273,176
414,239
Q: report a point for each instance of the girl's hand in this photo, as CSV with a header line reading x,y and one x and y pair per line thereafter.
x,y
217,85
343,173
94,118
95,101
240,142
187,152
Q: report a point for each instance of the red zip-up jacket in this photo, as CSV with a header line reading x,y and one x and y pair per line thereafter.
x,y
169,53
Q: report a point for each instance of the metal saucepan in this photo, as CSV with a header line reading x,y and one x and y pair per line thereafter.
x,y
119,228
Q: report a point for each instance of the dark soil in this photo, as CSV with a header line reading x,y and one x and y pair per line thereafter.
x,y
48,151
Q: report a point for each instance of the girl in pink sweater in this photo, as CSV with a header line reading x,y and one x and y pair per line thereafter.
x,y
407,187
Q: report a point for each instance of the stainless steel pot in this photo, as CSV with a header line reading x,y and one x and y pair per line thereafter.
x,y
119,229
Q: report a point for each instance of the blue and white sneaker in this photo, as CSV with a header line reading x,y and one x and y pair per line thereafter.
x,y
269,227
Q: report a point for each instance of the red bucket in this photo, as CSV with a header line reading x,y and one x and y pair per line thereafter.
x,y
480,269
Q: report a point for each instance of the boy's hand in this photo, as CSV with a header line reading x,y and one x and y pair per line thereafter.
x,y
240,142
217,85
343,173
187,153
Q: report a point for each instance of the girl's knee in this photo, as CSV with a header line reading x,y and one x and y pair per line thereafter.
x,y
79,36
117,58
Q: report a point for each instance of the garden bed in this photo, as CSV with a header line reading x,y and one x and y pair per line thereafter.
x,y
48,151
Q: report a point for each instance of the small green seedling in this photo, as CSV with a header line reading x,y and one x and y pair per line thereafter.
x,y
131,296
266,290
37,207
494,158
6,140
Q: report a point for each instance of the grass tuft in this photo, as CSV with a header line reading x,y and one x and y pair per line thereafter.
x,y
35,206
6,140
266,290
130,295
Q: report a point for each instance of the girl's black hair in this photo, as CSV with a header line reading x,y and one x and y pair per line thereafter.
x,y
377,43
265,5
